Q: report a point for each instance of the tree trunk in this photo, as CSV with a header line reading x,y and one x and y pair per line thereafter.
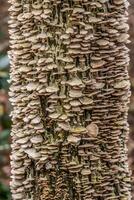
x,y
131,107
69,90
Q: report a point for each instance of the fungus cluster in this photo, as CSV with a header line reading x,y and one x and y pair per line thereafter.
x,y
69,91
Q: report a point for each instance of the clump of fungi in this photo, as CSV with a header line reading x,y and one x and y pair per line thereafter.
x,y
69,91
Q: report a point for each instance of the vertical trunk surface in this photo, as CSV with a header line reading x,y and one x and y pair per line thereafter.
x,y
69,90
131,110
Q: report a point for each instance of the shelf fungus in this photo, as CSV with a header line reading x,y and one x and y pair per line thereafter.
x,y
70,92
92,130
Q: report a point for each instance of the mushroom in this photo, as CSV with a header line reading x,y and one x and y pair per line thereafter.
x,y
75,82
73,139
98,64
86,172
92,129
102,42
32,153
36,139
75,93
52,89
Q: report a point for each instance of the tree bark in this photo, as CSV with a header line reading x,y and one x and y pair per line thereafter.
x,y
131,107
70,94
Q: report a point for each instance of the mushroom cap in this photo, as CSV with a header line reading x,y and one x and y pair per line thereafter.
x,y
92,129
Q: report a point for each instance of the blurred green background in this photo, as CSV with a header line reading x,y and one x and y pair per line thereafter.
x,y
5,122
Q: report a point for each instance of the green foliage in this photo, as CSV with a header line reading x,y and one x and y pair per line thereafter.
x,y
4,192
5,121
4,136
5,125
3,81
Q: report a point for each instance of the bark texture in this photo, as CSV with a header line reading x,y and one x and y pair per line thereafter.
x,y
131,110
69,90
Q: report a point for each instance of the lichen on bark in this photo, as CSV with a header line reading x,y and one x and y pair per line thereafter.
x,y
70,91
